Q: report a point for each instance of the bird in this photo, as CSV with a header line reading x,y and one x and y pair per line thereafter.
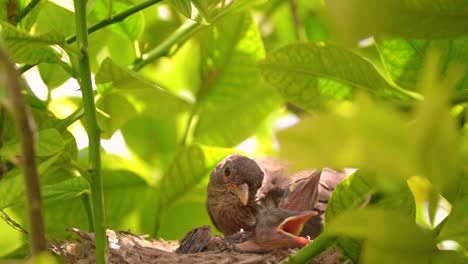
x,y
231,194
277,228
243,191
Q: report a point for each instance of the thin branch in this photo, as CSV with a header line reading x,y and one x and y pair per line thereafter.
x,y
12,222
305,255
117,18
94,169
26,130
25,11
11,11
170,45
72,118
301,34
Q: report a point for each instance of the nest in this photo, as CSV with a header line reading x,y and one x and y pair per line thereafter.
x,y
125,247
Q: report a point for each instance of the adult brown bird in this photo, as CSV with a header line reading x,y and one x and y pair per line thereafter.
x,y
241,190
231,199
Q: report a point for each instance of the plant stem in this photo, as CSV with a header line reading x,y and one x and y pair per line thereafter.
x,y
117,18
94,169
26,129
67,121
305,255
301,33
22,14
176,40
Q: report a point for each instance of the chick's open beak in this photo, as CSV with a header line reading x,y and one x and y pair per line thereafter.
x,y
241,191
292,226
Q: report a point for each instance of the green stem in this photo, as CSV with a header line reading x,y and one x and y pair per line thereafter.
x,y
94,169
170,45
27,134
22,14
117,18
305,255
72,118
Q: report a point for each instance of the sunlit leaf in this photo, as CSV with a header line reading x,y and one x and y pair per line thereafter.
x,y
361,190
435,130
12,185
388,234
183,6
141,94
365,135
116,111
404,58
131,27
232,94
49,142
428,19
32,49
311,74
190,165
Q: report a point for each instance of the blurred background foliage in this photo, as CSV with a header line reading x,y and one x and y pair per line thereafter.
x,y
376,85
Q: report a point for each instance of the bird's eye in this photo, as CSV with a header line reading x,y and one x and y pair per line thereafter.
x,y
227,171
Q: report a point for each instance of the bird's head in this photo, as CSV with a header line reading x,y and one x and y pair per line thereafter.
x,y
278,228
239,176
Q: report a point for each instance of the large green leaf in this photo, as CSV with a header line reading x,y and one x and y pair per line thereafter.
x,y
131,27
435,131
135,93
190,165
360,190
311,74
428,19
404,58
153,140
364,135
184,185
49,142
232,98
130,201
12,185
389,236
32,49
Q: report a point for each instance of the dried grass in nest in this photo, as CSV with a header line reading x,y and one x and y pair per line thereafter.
x,y
125,247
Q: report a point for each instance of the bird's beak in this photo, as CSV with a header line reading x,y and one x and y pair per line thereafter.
x,y
241,191
292,226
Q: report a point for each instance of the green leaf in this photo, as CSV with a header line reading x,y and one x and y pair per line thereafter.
x,y
404,58
153,140
190,165
311,74
131,27
426,19
456,227
52,75
363,135
435,129
49,142
69,188
390,236
144,95
128,199
116,111
32,49
183,6
360,189
232,94
53,16
12,185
